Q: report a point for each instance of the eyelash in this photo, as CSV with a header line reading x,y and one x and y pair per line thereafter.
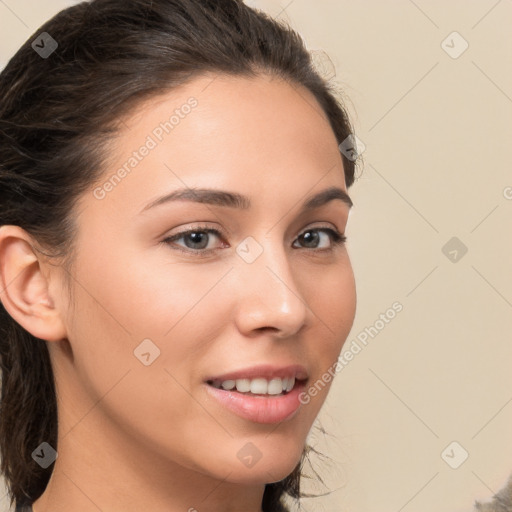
x,y
337,239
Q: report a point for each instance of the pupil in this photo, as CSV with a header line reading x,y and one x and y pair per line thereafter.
x,y
310,235
196,239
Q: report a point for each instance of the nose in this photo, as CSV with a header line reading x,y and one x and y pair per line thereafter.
x,y
267,295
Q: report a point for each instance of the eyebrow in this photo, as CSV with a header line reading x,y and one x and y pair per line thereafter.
x,y
235,200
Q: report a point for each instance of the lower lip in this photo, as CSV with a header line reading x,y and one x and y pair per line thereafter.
x,y
260,409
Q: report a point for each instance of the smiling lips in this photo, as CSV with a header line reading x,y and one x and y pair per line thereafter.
x,y
262,394
258,386
263,407
261,379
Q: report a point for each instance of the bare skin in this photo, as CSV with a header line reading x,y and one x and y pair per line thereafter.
x,y
134,437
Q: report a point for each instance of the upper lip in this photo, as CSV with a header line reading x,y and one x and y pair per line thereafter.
x,y
265,371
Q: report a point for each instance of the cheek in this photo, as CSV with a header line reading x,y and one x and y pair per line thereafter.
x,y
120,303
342,309
332,300
330,293
146,296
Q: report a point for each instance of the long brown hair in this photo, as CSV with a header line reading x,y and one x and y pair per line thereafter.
x,y
58,110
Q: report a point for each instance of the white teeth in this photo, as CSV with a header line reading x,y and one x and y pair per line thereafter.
x,y
258,386
243,385
275,386
228,384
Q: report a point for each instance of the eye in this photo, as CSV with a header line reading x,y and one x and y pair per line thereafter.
x,y
311,237
197,240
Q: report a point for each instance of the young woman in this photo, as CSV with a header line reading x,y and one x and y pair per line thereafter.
x,y
175,287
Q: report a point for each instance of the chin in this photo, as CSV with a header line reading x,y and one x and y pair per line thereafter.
x,y
267,465
260,475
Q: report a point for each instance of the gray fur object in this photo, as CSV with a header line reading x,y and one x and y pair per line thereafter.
x,y
501,502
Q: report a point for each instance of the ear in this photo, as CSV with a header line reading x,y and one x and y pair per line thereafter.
x,y
24,286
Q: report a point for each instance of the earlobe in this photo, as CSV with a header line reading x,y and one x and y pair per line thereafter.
x,y
24,288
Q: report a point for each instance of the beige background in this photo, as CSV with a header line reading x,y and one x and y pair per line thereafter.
x,y
437,133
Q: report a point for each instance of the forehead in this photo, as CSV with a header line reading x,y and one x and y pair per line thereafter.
x,y
236,112
254,135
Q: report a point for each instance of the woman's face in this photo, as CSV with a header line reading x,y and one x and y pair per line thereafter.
x,y
154,319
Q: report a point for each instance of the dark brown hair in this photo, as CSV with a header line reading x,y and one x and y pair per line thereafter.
x,y
56,115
